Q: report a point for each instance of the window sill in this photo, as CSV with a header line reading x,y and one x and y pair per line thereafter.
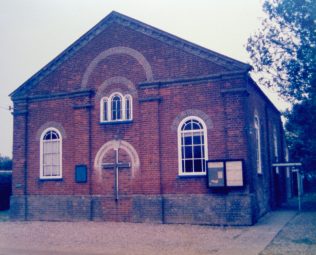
x,y
116,122
191,176
50,179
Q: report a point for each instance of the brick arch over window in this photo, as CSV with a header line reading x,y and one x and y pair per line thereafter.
x,y
191,112
117,144
117,50
50,124
116,80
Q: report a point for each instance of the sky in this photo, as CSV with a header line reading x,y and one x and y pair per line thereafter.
x,y
33,32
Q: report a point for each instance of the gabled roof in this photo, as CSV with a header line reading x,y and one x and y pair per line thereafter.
x,y
115,17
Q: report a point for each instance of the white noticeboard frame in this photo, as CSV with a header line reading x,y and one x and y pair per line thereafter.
x,y
234,173
225,173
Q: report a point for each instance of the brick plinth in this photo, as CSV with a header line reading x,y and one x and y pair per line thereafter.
x,y
189,209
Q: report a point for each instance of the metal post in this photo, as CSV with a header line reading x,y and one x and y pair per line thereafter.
x,y
299,187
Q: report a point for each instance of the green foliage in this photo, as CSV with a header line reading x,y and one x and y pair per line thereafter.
x,y
283,51
5,163
300,132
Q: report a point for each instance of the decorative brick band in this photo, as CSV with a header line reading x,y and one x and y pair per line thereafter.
x,y
191,112
49,124
117,144
116,80
117,50
150,99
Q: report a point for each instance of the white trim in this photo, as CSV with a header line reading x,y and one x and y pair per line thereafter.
x,y
122,105
258,144
275,143
130,106
275,149
109,107
287,164
102,109
60,154
179,134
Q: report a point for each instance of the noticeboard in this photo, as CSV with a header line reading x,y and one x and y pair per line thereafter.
x,y
225,173
215,174
81,173
234,173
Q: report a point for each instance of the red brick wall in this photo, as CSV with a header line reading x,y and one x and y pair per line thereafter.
x,y
166,61
269,117
150,133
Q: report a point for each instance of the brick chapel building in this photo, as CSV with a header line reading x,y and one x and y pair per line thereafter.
x,y
131,123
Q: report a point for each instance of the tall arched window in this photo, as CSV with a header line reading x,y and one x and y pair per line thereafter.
x,y
192,146
275,145
104,109
258,144
128,107
116,107
51,154
275,148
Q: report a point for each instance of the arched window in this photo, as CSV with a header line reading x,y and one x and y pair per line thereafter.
x,y
275,145
51,154
116,107
258,144
104,109
275,148
192,146
128,107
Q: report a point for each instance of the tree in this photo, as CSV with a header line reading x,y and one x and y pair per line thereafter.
x,y
283,52
5,163
300,132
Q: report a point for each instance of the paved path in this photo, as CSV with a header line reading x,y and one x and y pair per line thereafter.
x,y
67,238
297,237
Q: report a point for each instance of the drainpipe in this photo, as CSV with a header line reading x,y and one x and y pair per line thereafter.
x,y
25,160
160,164
90,155
270,168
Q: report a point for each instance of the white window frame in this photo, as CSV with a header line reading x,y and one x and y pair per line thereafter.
x,y
258,144
275,148
204,130
122,106
130,106
103,99
42,176
275,145
109,107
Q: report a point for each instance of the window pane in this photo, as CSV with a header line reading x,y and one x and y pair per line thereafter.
x,y
128,108
188,140
197,151
197,165
188,151
105,110
197,139
188,166
54,135
187,126
195,125
47,170
116,108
